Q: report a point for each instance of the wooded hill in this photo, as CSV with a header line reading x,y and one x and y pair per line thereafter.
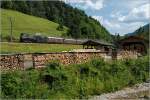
x,y
80,25
142,32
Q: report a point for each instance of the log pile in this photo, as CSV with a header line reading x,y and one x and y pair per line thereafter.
x,y
39,60
65,58
68,58
127,55
19,61
12,62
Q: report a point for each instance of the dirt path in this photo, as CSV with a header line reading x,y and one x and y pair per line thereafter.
x,y
137,92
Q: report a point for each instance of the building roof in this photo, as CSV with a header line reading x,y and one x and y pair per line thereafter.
x,y
96,42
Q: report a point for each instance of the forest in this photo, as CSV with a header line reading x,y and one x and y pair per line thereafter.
x,y
79,23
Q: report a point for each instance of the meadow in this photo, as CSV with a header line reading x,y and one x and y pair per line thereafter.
x,y
77,81
23,23
8,47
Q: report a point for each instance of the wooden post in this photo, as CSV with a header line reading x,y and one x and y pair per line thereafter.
x,y
11,33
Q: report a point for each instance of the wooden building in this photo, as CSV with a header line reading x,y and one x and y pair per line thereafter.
x,y
134,43
98,45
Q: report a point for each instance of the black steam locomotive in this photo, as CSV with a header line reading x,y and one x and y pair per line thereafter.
x,y
27,38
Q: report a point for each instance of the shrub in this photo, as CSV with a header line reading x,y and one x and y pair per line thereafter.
x,y
98,62
54,64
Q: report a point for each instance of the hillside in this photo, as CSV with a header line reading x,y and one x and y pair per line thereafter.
x,y
27,23
142,32
80,24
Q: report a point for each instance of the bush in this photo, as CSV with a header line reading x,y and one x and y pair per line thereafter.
x,y
54,64
60,27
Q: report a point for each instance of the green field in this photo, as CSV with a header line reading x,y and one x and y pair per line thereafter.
x,y
26,23
36,47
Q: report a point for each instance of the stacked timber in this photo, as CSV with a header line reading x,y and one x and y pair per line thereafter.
x,y
12,62
127,55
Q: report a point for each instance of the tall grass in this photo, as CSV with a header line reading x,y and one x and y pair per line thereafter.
x,y
75,81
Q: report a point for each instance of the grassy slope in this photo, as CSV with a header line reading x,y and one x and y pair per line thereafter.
x,y
27,23
36,47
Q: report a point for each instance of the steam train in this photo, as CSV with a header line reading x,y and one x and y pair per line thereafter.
x,y
27,38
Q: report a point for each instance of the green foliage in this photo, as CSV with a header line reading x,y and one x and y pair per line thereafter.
x,y
60,27
74,81
80,25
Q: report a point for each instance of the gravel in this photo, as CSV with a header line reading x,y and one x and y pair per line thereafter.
x,y
138,92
